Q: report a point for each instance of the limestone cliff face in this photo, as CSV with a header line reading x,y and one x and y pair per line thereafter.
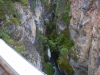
x,y
26,34
85,31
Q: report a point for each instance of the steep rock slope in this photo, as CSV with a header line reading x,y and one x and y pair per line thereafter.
x,y
18,29
85,31
27,34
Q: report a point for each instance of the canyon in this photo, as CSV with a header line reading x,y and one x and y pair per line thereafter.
x,y
68,28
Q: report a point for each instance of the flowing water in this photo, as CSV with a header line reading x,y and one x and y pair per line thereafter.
x,y
49,53
53,63
52,60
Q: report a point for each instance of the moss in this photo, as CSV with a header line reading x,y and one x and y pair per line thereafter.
x,y
64,64
49,69
73,54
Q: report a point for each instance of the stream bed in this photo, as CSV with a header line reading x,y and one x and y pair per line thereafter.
x,y
52,61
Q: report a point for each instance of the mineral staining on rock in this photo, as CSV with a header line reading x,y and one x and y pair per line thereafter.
x,y
85,24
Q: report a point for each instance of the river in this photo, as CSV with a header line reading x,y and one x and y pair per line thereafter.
x,y
52,61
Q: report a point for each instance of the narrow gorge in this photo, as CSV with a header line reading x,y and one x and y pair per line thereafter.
x,y
59,37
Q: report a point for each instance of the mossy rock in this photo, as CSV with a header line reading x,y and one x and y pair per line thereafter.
x,y
66,66
65,14
73,54
49,70
66,32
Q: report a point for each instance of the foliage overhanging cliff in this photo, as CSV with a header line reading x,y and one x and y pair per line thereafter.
x,y
32,26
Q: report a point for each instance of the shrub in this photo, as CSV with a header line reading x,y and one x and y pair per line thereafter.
x,y
4,34
64,64
15,21
12,20
49,69
43,38
21,49
24,3
65,15
52,45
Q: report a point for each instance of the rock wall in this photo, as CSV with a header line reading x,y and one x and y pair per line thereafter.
x,y
25,33
85,31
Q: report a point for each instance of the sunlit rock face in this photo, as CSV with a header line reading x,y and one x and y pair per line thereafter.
x,y
85,31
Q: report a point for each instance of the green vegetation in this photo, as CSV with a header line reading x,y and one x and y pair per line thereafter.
x,y
65,14
7,8
57,8
24,2
9,15
49,69
20,48
48,5
5,35
12,20
64,64
60,43
73,55
32,5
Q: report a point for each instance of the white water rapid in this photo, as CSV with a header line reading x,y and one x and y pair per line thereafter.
x,y
49,53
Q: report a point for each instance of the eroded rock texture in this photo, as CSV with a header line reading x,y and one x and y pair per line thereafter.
x,y
26,34
85,30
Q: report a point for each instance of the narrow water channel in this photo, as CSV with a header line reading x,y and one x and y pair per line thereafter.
x,y
52,61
